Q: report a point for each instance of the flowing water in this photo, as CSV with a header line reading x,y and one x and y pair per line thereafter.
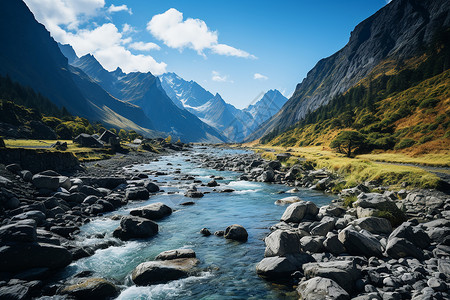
x,y
227,267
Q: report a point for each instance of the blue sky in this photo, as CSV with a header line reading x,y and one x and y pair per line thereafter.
x,y
239,49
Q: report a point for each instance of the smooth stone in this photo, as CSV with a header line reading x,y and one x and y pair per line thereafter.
x,y
91,288
154,211
321,288
134,228
280,243
236,232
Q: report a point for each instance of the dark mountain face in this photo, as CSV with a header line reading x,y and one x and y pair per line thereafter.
x,y
30,56
397,31
145,91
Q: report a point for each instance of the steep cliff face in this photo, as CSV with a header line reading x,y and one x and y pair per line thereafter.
x,y
398,31
30,56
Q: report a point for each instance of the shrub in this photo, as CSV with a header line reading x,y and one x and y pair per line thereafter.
x,y
424,139
404,143
428,103
348,201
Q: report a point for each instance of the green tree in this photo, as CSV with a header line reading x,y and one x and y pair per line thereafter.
x,y
348,142
123,135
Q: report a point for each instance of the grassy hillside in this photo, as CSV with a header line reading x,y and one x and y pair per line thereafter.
x,y
401,106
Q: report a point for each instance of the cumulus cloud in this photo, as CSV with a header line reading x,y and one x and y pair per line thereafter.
x,y
258,76
141,46
177,33
124,7
216,76
63,18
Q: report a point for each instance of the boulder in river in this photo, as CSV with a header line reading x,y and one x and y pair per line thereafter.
x,y
280,243
279,268
137,193
154,211
297,211
236,232
134,228
151,272
176,253
193,194
287,200
373,225
91,288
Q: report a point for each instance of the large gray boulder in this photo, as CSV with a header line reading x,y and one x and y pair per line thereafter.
x,y
345,273
279,268
137,193
91,288
320,288
297,211
45,182
313,244
151,187
236,232
400,247
372,204
18,256
22,231
36,215
360,243
280,243
413,234
333,245
154,211
373,225
326,225
134,228
151,272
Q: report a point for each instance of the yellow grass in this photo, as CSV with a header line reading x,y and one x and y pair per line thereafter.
x,y
360,169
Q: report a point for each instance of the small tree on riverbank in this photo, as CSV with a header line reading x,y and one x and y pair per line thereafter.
x,y
348,142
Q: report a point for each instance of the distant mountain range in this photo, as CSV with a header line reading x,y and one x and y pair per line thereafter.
x,y
134,101
234,123
396,32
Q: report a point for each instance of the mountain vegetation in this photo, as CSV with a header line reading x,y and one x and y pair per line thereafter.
x,y
401,104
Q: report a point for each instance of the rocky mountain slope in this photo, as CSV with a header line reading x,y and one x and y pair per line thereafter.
x,y
30,56
397,31
145,91
234,123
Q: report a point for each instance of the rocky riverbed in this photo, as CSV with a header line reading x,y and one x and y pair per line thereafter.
x,y
389,245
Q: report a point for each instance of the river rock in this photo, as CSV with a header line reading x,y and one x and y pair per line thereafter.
x,y
379,203
333,245
313,244
193,194
19,256
177,253
236,232
280,243
287,200
297,211
15,292
21,231
151,187
345,273
132,227
331,210
45,182
154,211
400,247
358,243
326,225
36,215
321,288
151,272
91,288
413,234
205,232
137,193
275,267
212,183
373,225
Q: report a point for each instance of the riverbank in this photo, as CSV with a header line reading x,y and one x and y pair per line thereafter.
x,y
235,187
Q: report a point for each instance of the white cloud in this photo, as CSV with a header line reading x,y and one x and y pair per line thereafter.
x,y
141,46
258,76
63,17
127,28
177,33
124,7
216,76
